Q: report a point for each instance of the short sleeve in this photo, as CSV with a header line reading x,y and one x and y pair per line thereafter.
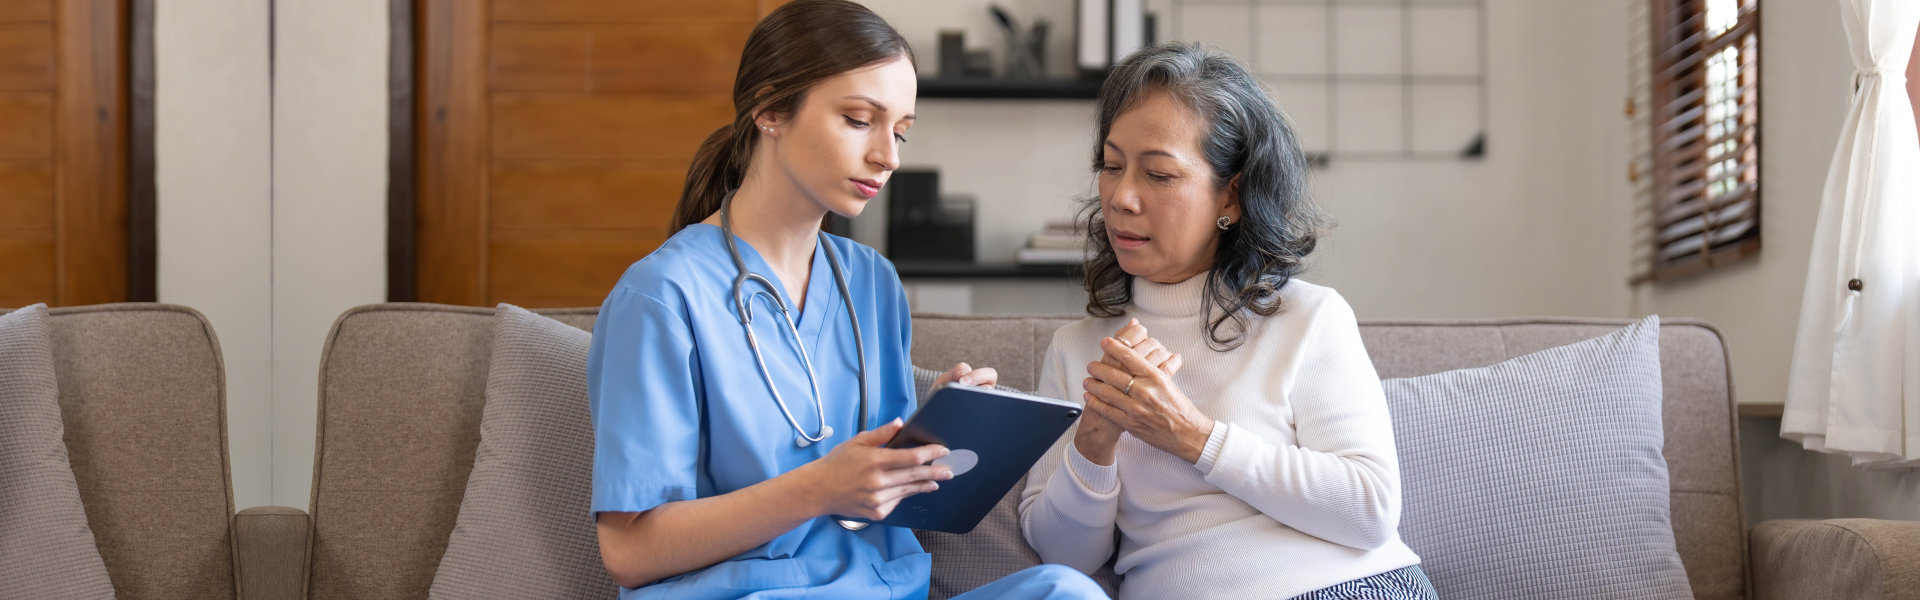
x,y
641,376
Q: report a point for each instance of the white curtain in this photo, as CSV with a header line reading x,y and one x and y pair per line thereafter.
x,y
1854,387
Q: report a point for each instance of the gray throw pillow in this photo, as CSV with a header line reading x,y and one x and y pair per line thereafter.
x,y
46,548
1542,476
524,529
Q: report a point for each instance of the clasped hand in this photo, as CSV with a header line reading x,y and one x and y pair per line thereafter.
x,y
1130,389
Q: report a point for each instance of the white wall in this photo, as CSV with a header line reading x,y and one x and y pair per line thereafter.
x,y
212,149
1521,232
329,203
272,204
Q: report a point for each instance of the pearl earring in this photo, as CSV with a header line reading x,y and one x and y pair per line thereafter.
x,y
1224,222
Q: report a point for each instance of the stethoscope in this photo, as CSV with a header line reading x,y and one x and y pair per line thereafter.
x,y
744,302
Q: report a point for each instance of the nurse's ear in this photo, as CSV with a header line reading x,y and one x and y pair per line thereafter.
x,y
768,121
769,124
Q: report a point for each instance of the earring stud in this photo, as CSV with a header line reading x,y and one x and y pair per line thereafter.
x,y
1224,222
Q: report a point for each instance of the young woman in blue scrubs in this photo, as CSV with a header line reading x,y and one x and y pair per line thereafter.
x,y
705,485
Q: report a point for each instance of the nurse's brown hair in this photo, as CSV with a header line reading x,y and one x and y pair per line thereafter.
x,y
797,46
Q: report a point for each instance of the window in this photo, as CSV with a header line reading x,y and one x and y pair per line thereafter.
x,y
1700,105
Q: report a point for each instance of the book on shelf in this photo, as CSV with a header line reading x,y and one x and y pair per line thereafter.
x,y
1051,256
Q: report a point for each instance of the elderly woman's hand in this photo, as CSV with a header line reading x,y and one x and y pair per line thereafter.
x,y
965,374
1140,397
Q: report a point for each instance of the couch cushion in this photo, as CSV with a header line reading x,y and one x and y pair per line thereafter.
x,y
524,529
1542,476
46,548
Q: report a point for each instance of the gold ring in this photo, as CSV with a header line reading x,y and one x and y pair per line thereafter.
x,y
1129,390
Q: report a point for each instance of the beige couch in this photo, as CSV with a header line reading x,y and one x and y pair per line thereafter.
x,y
402,387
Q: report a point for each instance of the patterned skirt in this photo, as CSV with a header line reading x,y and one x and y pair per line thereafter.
x,y
1408,583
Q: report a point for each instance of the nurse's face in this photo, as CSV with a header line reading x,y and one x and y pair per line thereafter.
x,y
843,142
1157,194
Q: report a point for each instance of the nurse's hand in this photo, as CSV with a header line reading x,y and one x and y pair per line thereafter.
x,y
967,375
861,478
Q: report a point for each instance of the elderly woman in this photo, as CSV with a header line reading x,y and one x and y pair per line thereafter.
x,y
1265,468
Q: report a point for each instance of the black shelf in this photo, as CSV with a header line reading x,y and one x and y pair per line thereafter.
x,y
1016,89
930,269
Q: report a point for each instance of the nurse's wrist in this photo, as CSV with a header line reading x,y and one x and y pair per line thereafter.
x,y
801,489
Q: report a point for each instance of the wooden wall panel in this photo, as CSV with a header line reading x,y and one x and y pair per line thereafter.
x,y
618,126
624,11
26,57
575,194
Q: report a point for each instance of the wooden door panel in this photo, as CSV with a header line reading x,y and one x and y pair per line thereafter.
x,y
616,58
658,58
26,125
26,195
451,219
26,56
626,126
555,138
539,59
92,153
573,194
624,11
576,269
28,277
12,11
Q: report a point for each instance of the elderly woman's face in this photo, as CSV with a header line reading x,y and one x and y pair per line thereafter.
x,y
1157,193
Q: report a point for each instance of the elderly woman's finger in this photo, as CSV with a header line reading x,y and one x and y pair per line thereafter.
x,y
1133,333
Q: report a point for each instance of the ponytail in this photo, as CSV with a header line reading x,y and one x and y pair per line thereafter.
x,y
717,169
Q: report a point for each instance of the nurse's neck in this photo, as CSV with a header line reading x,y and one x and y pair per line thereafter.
x,y
782,225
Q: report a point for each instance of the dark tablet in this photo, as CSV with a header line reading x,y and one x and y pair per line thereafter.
x,y
994,438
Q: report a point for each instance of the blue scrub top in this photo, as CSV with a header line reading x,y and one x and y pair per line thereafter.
x,y
680,411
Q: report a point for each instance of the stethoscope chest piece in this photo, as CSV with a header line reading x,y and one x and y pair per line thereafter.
x,y
826,431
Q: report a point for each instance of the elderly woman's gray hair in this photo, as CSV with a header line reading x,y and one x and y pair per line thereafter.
x,y
1248,137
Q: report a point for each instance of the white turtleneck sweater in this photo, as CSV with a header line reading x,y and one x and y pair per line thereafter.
x,y
1298,487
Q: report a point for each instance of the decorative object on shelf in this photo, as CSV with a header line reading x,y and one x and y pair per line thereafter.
x,y
924,226
1092,52
1026,50
953,52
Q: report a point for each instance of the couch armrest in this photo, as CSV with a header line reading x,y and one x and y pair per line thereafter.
x,y
271,547
1838,558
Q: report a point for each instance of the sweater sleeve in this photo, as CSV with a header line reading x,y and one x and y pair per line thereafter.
x,y
1068,508
1341,480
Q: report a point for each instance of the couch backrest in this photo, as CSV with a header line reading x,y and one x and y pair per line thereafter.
x,y
402,388
401,392
143,402
1708,523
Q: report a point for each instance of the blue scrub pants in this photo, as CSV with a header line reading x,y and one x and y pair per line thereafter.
x,y
1049,582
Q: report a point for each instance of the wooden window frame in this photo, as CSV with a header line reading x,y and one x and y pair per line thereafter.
x,y
1681,47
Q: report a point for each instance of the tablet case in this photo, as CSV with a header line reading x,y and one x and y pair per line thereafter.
x,y
994,437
